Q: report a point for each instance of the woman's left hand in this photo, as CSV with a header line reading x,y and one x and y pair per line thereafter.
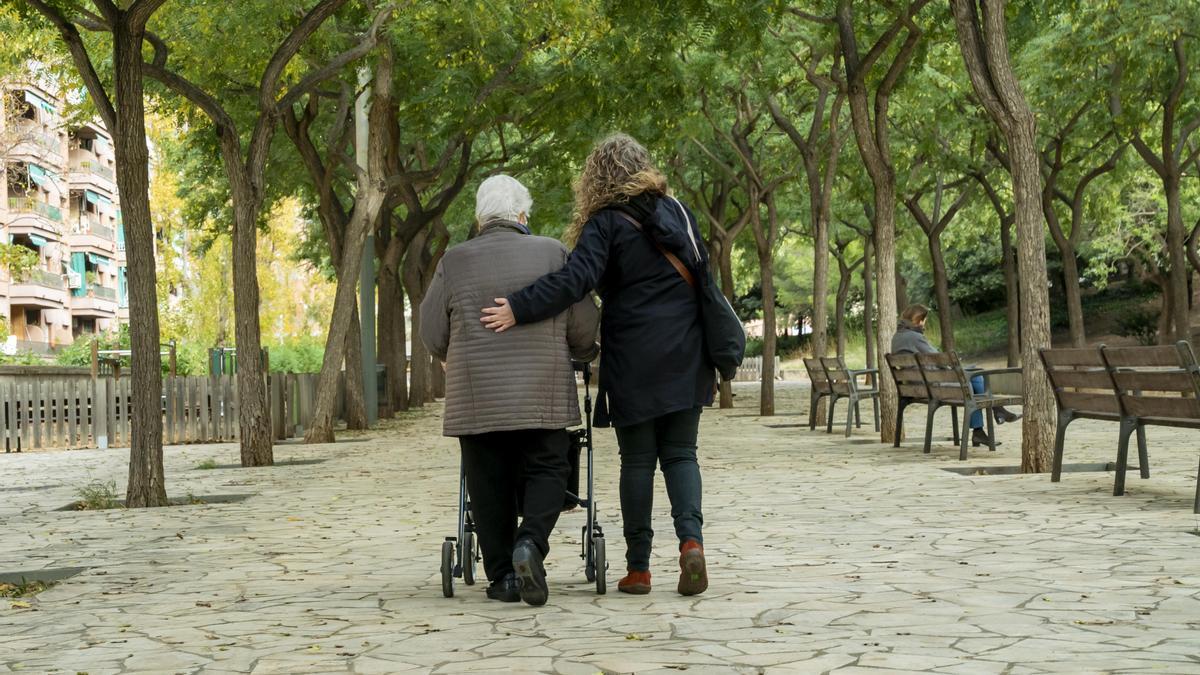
x,y
499,318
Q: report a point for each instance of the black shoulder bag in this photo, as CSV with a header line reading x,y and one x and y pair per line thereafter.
x,y
724,336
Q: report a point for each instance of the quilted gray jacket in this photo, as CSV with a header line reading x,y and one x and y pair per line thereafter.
x,y
521,378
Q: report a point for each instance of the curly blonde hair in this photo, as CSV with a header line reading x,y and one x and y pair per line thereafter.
x,y
617,170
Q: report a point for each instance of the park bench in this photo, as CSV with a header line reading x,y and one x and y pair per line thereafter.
x,y
1156,386
820,389
1083,389
845,384
950,384
911,388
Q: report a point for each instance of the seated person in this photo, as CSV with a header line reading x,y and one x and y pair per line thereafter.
x,y
511,396
910,338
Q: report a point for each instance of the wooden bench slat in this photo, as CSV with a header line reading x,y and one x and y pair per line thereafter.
x,y
1084,402
1086,379
1134,357
1161,406
1176,381
1084,356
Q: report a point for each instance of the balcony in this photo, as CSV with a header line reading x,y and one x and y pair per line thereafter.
x,y
44,142
88,233
40,288
95,168
35,207
100,302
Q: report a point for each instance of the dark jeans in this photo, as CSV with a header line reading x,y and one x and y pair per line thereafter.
x,y
509,472
668,441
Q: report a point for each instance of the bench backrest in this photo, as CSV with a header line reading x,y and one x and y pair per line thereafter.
x,y
840,380
1156,383
818,376
906,372
944,376
1081,382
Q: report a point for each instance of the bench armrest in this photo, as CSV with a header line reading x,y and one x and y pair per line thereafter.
x,y
996,371
865,371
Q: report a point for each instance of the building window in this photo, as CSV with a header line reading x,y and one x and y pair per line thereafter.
x,y
33,316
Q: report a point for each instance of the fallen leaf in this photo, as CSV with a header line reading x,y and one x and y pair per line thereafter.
x,y
20,604
634,636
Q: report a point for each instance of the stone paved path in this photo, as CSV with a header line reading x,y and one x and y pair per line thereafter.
x,y
825,554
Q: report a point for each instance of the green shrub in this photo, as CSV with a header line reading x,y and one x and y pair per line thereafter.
x,y
785,346
97,496
1139,324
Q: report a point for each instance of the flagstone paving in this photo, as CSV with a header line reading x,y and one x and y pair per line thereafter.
x,y
824,553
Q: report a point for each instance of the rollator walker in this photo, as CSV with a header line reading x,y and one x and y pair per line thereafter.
x,y
460,553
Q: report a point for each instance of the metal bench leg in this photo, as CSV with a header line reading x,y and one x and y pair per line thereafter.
x,y
857,413
991,422
1196,508
851,407
1143,454
813,400
1128,426
899,419
933,406
1060,436
954,422
833,399
962,444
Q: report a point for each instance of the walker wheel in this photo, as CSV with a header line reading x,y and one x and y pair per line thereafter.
x,y
468,558
448,568
601,565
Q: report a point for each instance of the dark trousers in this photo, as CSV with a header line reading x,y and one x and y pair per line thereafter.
x,y
511,471
668,441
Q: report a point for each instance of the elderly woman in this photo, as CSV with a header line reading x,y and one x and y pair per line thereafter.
x,y
654,377
910,338
509,398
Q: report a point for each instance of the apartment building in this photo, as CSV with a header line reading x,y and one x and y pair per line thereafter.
x,y
58,198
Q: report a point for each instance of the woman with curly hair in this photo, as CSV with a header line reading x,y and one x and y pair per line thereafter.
x,y
654,376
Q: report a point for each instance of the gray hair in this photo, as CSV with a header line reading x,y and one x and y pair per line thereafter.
x,y
501,198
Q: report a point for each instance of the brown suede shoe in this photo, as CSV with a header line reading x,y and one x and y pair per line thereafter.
x,y
637,583
693,573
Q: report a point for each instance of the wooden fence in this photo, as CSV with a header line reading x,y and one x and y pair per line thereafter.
x,y
67,408
751,369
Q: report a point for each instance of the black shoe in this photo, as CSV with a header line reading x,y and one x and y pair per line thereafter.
x,y
531,575
979,437
505,589
1003,415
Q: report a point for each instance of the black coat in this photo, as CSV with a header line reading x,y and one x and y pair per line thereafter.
x,y
651,340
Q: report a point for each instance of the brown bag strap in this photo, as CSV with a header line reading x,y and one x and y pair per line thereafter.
x,y
675,262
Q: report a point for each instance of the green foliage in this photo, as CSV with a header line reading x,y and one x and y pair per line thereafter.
x,y
18,260
207,465
24,589
786,346
1139,324
97,496
300,355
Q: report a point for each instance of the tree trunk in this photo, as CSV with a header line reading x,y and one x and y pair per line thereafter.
x,y
393,349
356,405
147,484
764,244
1176,244
344,306
820,315
368,201
254,419
839,319
886,276
868,307
982,37
941,288
1074,298
421,388
1012,306
725,265
438,378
